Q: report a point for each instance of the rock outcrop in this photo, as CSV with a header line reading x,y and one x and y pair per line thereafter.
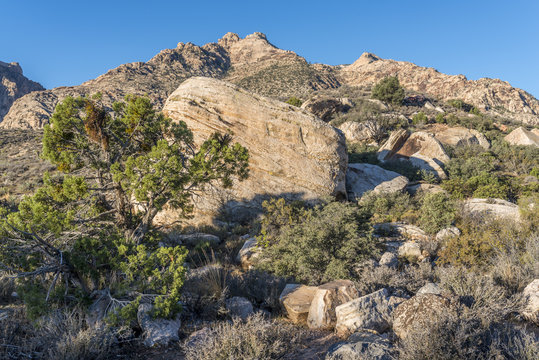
x,y
361,132
458,136
326,298
13,85
521,136
325,108
296,300
493,208
485,94
420,148
293,154
361,178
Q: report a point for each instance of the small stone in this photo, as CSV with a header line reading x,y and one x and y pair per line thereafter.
x,y
238,306
363,344
157,332
430,288
531,294
389,259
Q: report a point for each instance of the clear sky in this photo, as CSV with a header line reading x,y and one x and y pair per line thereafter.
x,y
61,42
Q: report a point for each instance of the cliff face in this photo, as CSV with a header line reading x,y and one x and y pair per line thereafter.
x,y
256,65
13,85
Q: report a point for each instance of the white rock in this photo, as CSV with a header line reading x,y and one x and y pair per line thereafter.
x,y
389,259
248,253
447,233
363,344
430,288
531,293
494,208
326,298
361,178
157,332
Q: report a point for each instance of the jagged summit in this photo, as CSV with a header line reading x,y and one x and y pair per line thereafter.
x,y
257,65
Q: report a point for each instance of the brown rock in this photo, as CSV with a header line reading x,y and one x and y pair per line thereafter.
x,y
458,136
326,298
293,154
296,300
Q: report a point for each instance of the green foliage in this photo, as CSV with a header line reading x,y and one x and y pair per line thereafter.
x,y
436,212
277,215
389,207
475,111
389,91
362,153
294,101
420,118
91,228
440,118
323,246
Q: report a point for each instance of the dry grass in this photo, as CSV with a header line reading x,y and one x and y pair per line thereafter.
x,y
256,338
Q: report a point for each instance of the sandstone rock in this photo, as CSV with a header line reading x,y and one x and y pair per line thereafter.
x,y
418,311
429,288
485,94
326,298
325,108
389,259
372,311
363,344
157,332
411,251
248,253
531,293
296,300
493,208
407,231
238,306
292,153
420,148
458,136
521,136
198,238
13,85
447,233
366,132
361,178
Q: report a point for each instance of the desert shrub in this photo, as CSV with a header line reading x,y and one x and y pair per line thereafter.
x,y
440,118
459,105
420,118
323,246
363,110
362,153
389,90
294,101
388,207
437,211
405,168
254,339
475,111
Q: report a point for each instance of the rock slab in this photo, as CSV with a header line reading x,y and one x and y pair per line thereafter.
x,y
326,298
361,178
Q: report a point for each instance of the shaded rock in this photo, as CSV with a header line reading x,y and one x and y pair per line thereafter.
x,y
372,311
493,208
361,178
418,311
296,300
521,136
98,310
248,253
199,336
430,288
197,238
447,233
393,144
363,344
407,231
326,298
238,306
157,332
411,251
364,132
389,259
292,154
325,108
531,294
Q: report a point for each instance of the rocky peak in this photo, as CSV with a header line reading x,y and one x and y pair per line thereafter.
x,y
228,39
366,58
13,85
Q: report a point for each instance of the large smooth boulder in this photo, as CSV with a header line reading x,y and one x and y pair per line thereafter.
x,y
493,208
157,332
361,132
419,311
458,136
292,153
363,344
326,298
420,148
521,136
296,300
531,294
372,311
361,178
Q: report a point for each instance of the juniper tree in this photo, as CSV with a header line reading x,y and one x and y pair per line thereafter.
x,y
91,227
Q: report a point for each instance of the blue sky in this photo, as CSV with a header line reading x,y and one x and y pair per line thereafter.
x,y
68,42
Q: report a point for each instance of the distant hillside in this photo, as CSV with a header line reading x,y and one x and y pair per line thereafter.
x,y
257,65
